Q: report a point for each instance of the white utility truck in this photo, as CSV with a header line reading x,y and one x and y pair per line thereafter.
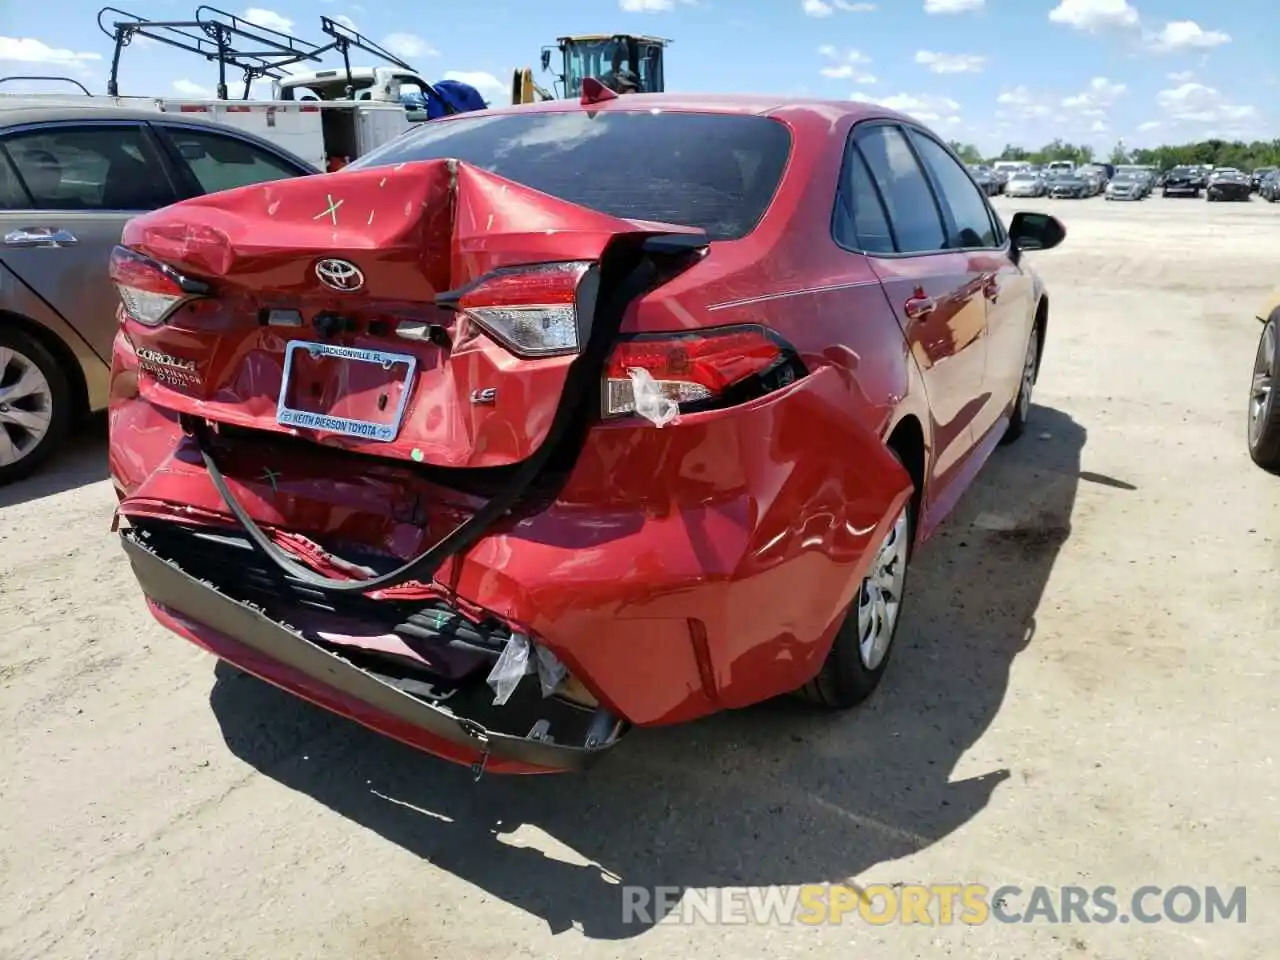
x,y
329,117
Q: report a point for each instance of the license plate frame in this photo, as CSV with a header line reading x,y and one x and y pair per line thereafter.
x,y
288,416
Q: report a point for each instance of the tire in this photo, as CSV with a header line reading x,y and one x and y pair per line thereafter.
x,y
44,403
1264,408
1022,403
848,676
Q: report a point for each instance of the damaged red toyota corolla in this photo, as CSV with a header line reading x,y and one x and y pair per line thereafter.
x,y
541,423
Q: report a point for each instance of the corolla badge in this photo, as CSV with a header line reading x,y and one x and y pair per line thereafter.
x,y
340,275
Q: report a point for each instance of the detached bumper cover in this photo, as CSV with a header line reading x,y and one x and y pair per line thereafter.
x,y
245,636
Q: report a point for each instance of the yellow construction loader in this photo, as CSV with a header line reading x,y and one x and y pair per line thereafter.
x,y
624,62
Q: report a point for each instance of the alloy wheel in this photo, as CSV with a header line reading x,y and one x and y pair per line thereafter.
x,y
1028,375
26,406
880,599
1263,380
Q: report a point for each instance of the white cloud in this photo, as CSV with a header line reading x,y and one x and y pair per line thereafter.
x,y
951,62
347,22
649,6
1182,76
1096,98
189,88
1021,104
489,86
1150,125
1093,15
27,50
1187,35
823,8
952,6
409,45
1196,103
269,19
1099,126
928,108
847,66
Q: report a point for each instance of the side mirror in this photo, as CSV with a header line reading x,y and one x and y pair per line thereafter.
x,y
546,60
192,151
1036,231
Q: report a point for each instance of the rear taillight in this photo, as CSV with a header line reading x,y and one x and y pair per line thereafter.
x,y
698,370
150,291
531,310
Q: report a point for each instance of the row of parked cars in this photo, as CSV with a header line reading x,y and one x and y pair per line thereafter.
x,y
1063,180
1220,183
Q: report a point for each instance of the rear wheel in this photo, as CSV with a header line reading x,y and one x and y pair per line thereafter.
x,y
1264,410
1022,405
35,405
860,652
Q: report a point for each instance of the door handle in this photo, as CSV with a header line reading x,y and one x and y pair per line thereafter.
x,y
990,287
917,308
40,237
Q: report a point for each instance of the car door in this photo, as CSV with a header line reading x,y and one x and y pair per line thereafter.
x,y
935,291
210,160
80,182
974,229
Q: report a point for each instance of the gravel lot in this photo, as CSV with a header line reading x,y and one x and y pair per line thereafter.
x,y
1085,693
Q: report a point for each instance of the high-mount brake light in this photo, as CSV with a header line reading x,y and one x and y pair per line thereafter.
x,y
150,291
532,311
695,369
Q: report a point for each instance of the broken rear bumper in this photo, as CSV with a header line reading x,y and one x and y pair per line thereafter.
x,y
249,639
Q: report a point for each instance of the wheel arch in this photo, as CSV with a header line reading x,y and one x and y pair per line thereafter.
x,y
907,440
1041,327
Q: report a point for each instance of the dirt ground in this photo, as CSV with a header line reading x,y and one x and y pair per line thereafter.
x,y
1084,693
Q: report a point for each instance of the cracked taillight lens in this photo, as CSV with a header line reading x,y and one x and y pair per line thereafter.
x,y
692,369
532,311
150,291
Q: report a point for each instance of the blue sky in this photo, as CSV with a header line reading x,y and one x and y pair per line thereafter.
x,y
982,71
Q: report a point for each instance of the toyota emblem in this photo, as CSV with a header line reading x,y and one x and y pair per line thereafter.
x,y
340,275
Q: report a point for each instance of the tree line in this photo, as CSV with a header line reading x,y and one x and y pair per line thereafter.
x,y
1219,153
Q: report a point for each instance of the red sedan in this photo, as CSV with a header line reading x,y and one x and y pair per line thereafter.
x,y
537,424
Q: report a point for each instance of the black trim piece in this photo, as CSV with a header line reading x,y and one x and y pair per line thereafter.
x,y
624,273
167,584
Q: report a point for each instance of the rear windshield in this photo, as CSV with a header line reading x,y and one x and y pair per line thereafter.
x,y
717,172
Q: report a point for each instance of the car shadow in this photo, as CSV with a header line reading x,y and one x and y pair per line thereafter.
x,y
774,794
82,461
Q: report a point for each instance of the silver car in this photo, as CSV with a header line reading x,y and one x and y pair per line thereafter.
x,y
1025,185
70,177
1126,186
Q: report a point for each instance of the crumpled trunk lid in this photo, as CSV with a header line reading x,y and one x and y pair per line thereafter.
x,y
383,367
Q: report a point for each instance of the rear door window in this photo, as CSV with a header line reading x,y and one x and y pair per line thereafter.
x,y
861,223
908,198
971,223
218,161
717,172
90,167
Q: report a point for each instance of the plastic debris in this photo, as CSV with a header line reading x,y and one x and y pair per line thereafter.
x,y
649,400
512,665
551,672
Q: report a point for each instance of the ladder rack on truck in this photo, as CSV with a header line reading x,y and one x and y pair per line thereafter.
x,y
211,34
